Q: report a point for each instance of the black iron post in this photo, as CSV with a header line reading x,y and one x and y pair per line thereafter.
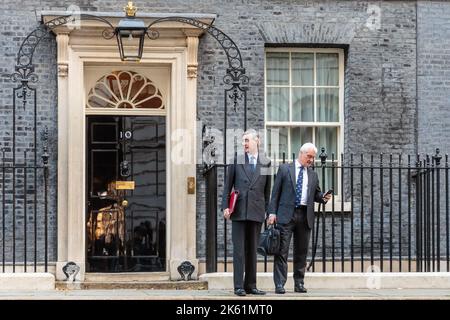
x,y
381,215
45,157
323,158
437,162
211,219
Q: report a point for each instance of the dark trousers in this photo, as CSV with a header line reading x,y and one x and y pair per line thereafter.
x,y
299,227
245,235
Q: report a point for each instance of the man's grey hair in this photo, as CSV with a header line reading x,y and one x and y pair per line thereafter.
x,y
308,146
252,133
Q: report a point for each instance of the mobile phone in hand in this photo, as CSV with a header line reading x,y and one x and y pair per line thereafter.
x,y
328,192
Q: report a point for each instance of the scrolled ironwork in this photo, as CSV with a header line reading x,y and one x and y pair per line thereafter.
x,y
152,34
236,95
237,77
228,45
27,76
23,76
24,69
108,34
24,92
26,50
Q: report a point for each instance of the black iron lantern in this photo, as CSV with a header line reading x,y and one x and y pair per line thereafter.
x,y
130,33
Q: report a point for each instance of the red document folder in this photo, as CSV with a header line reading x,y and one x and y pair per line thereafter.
x,y
233,198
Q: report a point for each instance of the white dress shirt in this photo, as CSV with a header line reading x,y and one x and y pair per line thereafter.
x,y
303,200
304,186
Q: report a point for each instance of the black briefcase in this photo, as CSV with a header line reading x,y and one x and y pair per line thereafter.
x,y
269,241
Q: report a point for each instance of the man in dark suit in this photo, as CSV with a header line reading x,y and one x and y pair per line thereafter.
x,y
295,189
250,176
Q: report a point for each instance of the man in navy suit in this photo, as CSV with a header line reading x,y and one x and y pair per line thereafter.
x,y
295,190
250,176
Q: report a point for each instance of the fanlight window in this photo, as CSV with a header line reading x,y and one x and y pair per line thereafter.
x,y
125,90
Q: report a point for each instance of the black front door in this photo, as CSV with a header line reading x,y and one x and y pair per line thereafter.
x,y
126,194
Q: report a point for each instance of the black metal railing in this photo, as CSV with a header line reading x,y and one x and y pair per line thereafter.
x,y
24,214
389,213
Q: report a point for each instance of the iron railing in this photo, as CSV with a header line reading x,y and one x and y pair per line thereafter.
x,y
24,215
389,213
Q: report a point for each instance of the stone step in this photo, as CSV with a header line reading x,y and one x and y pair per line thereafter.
x,y
137,285
127,277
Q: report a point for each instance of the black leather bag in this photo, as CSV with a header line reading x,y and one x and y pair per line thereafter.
x,y
269,241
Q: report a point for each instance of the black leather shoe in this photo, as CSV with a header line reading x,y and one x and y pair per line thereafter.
x,y
239,292
300,288
255,291
280,290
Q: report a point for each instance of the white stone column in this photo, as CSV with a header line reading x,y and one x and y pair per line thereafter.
x,y
75,162
183,211
62,41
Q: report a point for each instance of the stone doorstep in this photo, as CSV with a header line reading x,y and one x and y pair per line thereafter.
x,y
137,285
27,281
386,280
127,277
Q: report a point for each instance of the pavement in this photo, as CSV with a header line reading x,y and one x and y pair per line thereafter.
x,y
194,295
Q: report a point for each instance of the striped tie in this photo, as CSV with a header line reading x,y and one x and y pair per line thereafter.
x,y
298,188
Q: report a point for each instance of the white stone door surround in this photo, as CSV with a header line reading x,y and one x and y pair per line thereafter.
x,y
84,47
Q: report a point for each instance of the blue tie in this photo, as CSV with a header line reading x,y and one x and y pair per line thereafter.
x,y
298,188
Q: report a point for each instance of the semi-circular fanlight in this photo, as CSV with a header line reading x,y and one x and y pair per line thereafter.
x,y
125,90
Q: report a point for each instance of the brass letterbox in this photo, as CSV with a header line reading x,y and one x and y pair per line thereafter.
x,y
125,185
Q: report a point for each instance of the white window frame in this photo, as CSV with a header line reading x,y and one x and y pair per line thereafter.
x,y
292,124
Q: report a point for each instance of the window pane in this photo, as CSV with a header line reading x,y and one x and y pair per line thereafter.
x,y
299,136
278,104
277,141
327,69
277,65
302,69
328,105
327,137
302,104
